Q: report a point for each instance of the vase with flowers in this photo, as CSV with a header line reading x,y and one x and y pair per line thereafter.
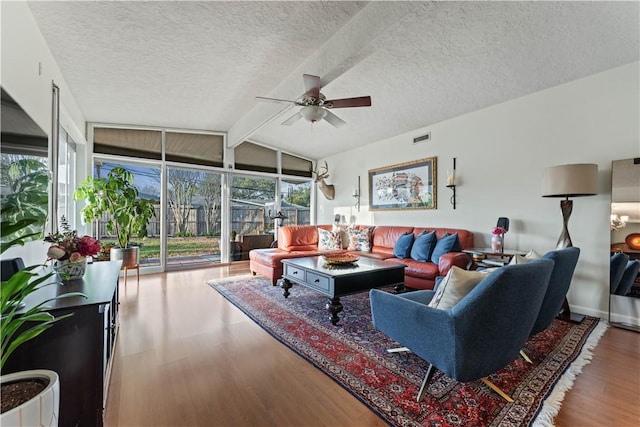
x,y
70,251
497,239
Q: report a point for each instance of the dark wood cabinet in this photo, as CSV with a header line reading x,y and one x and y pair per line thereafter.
x,y
80,347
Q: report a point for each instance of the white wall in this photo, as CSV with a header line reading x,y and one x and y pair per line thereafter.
x,y
27,72
501,152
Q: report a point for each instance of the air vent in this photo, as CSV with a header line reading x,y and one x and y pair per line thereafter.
x,y
422,138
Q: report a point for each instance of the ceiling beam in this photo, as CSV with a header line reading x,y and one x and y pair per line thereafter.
x,y
346,48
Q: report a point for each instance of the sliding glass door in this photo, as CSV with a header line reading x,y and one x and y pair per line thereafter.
x,y
193,217
146,179
252,211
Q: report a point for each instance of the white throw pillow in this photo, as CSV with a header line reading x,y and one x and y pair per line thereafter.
x,y
328,240
455,286
528,257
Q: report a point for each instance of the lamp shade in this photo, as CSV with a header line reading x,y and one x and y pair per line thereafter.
x,y
570,180
313,113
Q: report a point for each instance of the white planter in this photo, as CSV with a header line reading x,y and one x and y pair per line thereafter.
x,y
42,410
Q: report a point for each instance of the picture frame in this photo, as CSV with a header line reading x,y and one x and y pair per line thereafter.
x,y
410,185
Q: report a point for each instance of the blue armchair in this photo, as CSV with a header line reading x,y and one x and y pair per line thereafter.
x,y
628,277
565,261
616,270
480,335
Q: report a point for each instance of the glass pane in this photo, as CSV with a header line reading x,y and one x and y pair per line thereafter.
x,y
66,176
194,148
193,217
144,144
253,157
296,202
24,169
252,206
146,179
292,165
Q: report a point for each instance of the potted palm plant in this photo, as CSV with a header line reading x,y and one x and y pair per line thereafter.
x,y
28,397
128,214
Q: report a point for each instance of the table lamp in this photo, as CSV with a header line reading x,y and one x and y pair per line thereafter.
x,y
566,181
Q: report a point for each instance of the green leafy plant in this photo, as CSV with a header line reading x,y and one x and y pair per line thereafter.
x,y
16,289
25,208
116,195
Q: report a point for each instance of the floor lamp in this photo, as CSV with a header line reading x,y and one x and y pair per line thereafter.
x,y
575,180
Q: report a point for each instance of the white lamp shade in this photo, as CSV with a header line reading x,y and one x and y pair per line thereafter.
x,y
570,180
313,113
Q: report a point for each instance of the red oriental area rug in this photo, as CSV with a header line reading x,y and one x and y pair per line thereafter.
x,y
353,353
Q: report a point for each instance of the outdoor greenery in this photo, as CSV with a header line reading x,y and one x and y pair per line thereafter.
x,y
27,197
116,195
300,196
184,185
245,188
18,328
178,246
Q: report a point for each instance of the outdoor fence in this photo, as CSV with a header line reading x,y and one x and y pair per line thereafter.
x,y
244,220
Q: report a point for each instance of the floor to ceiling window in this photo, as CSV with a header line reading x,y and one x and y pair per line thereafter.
x,y
193,217
205,213
295,201
66,176
147,181
252,212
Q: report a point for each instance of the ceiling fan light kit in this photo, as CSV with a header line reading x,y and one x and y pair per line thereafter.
x,y
313,113
315,104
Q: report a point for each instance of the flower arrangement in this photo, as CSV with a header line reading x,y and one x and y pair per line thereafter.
x,y
498,231
67,245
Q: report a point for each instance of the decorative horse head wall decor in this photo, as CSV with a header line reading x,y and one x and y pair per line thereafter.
x,y
328,190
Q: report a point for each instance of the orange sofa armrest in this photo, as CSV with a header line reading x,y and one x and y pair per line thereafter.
x,y
448,260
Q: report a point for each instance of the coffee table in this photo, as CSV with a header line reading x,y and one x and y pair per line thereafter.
x,y
335,281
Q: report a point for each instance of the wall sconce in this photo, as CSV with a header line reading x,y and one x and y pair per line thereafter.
x,y
451,182
356,194
280,217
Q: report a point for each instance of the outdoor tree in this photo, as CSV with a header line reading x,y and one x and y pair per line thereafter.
x,y
253,188
209,189
300,195
182,188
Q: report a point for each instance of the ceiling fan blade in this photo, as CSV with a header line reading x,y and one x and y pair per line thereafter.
x,y
291,120
362,101
279,101
311,85
334,120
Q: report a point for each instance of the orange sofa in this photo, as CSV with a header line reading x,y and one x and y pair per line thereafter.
x,y
297,241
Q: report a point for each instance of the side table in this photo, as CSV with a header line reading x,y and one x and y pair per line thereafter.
x,y
487,257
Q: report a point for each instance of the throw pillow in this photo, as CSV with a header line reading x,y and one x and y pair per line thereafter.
x,y
455,286
528,257
328,240
444,245
402,248
359,240
423,246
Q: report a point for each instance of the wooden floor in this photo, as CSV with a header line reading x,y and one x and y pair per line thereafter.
x,y
187,357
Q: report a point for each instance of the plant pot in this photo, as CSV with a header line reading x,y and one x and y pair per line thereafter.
x,y
41,410
130,256
71,270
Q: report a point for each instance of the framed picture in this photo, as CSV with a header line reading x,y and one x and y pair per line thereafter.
x,y
410,185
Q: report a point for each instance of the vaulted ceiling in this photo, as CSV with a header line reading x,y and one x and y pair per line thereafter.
x,y
200,65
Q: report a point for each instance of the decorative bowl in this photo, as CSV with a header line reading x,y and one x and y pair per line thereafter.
x,y
633,241
340,259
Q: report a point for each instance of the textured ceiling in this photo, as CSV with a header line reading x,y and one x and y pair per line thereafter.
x,y
199,65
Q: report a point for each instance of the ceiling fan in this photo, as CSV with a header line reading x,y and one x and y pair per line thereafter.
x,y
316,106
